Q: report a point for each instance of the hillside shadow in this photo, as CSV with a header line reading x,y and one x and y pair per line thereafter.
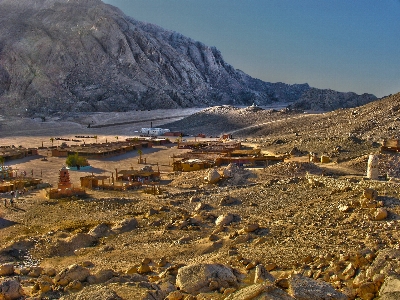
x,y
131,154
90,170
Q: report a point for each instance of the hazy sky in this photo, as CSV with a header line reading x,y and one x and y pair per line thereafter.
x,y
345,45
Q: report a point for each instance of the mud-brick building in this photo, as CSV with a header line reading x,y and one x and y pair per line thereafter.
x,y
12,152
192,164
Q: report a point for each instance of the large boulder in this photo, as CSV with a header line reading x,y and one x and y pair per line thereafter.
x,y
304,288
10,290
202,278
213,176
390,289
71,273
6,270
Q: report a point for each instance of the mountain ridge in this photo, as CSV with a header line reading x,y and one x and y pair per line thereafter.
x,y
84,55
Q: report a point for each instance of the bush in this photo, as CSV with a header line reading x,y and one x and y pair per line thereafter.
x,y
76,160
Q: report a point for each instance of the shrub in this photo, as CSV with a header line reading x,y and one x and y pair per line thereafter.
x,y
74,160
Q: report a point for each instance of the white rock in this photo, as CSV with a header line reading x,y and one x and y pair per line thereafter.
x,y
196,278
224,220
213,176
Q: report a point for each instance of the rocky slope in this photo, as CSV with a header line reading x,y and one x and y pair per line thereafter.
x,y
84,55
356,131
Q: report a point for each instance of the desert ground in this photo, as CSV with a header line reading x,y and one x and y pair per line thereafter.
x,y
290,230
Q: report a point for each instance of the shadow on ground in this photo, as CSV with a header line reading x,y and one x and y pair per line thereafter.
x,y
6,223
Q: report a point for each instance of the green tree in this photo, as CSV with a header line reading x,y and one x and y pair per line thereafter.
x,y
2,160
52,141
140,152
74,160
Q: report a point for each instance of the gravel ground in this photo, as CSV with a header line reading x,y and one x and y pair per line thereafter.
x,y
309,215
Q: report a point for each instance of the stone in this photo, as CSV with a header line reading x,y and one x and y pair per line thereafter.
x,y
71,273
11,290
132,270
103,276
50,272
349,271
370,194
175,295
380,214
125,225
87,264
343,208
367,291
304,288
261,275
74,286
251,227
100,230
143,268
45,286
162,262
391,286
213,176
22,270
250,292
226,200
35,271
6,270
223,220
271,266
242,238
200,206
194,279
194,199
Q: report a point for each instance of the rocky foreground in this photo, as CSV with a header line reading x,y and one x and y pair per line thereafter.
x,y
289,230
283,232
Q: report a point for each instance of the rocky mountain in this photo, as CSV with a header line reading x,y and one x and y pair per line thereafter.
x,y
327,100
84,55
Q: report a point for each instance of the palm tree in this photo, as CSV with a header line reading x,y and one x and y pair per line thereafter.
x,y
52,141
95,137
2,160
116,138
140,152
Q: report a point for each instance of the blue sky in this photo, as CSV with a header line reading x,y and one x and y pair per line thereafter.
x,y
345,45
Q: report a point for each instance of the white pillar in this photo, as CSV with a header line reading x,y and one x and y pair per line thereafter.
x,y
373,170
